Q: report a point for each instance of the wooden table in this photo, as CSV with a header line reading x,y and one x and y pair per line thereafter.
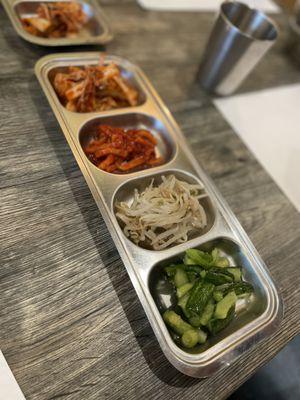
x,y
71,326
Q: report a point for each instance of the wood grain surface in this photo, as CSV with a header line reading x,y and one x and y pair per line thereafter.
x,y
71,326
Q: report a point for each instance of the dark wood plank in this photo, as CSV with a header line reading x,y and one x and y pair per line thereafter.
x,y
71,325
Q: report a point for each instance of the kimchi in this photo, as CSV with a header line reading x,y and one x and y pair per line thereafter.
x,y
94,88
117,150
56,20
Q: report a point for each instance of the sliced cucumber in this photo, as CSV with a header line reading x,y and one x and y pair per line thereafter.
x,y
219,276
223,307
216,325
180,278
182,290
241,289
190,338
195,321
200,294
222,262
171,269
202,336
175,322
198,257
218,295
207,313
182,302
236,272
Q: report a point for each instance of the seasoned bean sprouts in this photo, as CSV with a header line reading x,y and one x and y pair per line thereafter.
x,y
163,215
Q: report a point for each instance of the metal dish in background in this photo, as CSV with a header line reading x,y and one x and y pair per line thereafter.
x,y
96,31
256,319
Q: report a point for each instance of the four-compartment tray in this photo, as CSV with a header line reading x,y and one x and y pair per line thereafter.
x,y
257,318
95,31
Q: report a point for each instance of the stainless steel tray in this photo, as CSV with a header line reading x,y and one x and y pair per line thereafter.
x,y
96,30
256,319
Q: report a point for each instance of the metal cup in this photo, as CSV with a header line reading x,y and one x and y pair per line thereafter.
x,y
239,39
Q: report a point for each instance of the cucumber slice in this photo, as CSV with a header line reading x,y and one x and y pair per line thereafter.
x,y
182,304
202,336
215,255
222,262
198,257
190,338
216,325
193,276
236,272
194,268
175,322
200,294
207,313
195,321
241,289
219,276
180,278
170,270
182,290
218,295
189,335
203,274
223,307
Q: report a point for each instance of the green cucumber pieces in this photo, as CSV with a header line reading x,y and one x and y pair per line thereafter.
x,y
218,295
200,294
195,321
205,260
189,336
207,289
202,336
194,268
223,307
175,322
180,278
236,272
182,302
208,312
217,325
219,276
182,290
198,257
222,262
202,320
171,269
241,289
192,337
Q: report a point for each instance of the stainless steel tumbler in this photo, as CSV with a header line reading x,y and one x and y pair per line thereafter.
x,y
239,39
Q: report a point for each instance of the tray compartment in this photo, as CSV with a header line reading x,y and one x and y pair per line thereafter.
x,y
247,311
126,191
96,31
127,75
165,145
25,9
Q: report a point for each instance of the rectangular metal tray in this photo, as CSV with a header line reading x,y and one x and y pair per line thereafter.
x,y
96,31
256,319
